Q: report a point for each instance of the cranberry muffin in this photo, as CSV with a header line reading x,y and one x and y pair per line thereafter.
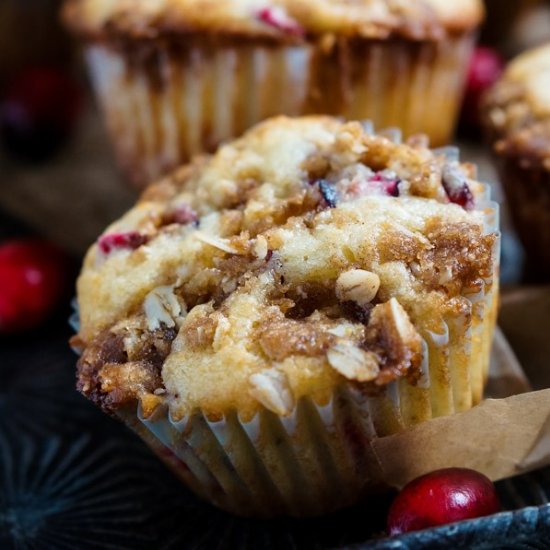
x,y
177,77
263,314
502,18
517,123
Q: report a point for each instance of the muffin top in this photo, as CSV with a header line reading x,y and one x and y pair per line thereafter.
x,y
306,254
517,109
274,19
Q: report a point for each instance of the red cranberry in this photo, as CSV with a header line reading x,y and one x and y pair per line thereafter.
x,y
182,214
485,68
456,186
389,185
38,112
278,18
441,497
119,241
461,196
383,183
33,279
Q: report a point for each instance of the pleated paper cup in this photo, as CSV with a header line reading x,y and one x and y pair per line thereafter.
x,y
319,458
165,101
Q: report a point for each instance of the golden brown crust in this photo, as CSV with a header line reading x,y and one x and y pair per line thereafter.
x,y
516,111
280,337
124,364
233,269
274,19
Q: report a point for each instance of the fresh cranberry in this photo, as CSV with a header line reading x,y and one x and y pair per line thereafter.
x,y
276,17
485,68
119,241
441,497
33,279
38,112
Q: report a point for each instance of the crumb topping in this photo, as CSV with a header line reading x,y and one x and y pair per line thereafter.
x,y
307,253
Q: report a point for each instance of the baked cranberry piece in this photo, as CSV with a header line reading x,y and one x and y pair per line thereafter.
x,y
182,214
384,183
441,497
120,241
276,17
38,112
485,68
456,186
34,276
390,185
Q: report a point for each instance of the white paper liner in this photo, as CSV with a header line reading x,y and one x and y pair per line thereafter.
x,y
162,110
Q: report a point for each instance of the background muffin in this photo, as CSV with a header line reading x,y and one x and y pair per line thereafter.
x,y
517,121
175,77
276,306
502,15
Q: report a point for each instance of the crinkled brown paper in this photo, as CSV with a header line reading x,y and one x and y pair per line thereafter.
x,y
507,434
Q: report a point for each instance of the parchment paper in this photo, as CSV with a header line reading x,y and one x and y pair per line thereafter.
x,y
505,435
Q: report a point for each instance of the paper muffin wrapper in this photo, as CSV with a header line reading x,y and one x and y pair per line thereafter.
x,y
165,102
320,458
527,193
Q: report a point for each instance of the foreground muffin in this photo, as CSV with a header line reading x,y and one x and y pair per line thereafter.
x,y
264,313
176,77
517,122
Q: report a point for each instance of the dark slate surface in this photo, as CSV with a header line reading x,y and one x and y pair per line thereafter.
x,y
72,478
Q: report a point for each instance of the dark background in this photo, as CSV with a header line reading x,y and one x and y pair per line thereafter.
x,y
70,477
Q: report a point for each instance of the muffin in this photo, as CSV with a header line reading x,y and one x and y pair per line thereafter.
x,y
177,77
264,313
517,122
502,17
